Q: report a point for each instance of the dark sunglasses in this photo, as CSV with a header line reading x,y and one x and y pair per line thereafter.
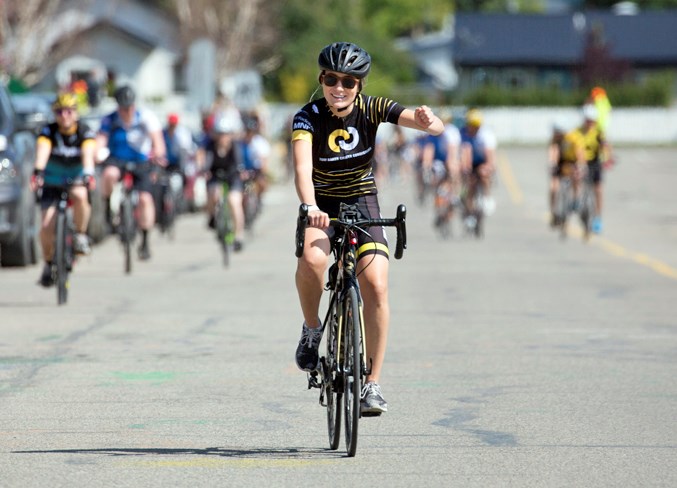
x,y
346,82
66,110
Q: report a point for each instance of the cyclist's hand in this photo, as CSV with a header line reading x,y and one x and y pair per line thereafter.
x,y
90,182
424,116
609,163
37,179
318,218
160,161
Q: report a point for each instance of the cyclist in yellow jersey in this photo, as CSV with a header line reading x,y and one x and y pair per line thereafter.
x,y
566,156
333,142
64,154
597,150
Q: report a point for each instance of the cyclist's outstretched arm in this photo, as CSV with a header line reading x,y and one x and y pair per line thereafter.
x,y
423,119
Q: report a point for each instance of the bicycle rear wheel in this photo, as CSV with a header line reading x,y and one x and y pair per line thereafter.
x,y
352,368
331,381
61,258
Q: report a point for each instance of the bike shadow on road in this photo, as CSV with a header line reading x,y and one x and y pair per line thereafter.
x,y
227,452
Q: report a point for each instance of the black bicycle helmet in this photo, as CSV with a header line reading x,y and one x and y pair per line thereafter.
x,y
345,57
125,96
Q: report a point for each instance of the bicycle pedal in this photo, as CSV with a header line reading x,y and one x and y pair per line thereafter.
x,y
312,380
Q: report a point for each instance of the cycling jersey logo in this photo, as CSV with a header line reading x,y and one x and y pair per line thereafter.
x,y
344,139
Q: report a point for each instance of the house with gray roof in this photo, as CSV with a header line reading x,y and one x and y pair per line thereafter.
x,y
128,39
515,50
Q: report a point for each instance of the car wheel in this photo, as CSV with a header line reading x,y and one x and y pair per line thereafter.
x,y
22,250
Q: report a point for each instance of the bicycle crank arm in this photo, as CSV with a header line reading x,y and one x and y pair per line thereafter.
x,y
312,380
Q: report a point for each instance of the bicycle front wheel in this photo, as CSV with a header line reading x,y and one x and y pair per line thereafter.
x,y
352,367
221,220
331,381
127,231
61,259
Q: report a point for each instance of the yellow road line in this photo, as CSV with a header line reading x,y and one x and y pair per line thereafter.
x,y
516,195
619,251
509,180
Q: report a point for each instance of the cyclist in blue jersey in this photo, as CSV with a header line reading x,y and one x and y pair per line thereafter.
x,y
478,154
333,144
132,134
256,151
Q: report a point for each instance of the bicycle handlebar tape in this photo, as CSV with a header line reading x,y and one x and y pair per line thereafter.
x,y
401,244
301,223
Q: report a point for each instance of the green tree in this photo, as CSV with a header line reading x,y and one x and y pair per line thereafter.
x,y
308,29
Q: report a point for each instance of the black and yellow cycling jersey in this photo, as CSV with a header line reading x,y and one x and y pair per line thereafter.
x,y
66,147
569,146
343,147
593,140
65,157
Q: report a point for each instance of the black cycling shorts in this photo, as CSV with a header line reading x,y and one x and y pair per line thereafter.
x,y
50,196
595,171
564,169
233,179
142,174
374,243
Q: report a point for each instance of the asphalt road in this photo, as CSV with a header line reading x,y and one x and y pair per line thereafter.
x,y
517,360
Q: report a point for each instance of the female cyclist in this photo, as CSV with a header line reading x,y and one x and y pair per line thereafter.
x,y
333,142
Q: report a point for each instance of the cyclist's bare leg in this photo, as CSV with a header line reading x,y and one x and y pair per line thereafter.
x,y
81,208
470,194
373,277
237,212
577,181
146,211
484,176
47,230
310,272
109,177
214,193
598,199
554,187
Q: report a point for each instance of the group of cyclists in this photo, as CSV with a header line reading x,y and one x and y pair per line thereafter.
x,y
578,153
449,169
335,154
230,148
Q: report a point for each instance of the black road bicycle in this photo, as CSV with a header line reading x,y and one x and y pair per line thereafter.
x,y
225,228
167,193
63,249
588,204
344,366
473,210
250,201
64,256
129,203
564,204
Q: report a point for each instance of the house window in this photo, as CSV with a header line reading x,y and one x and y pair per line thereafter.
x,y
516,78
479,78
